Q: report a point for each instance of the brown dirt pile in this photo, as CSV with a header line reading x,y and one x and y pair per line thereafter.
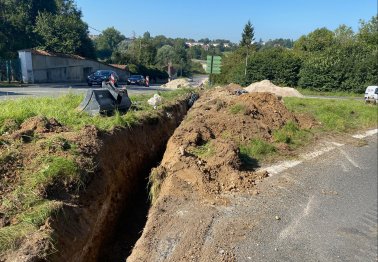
x,y
267,86
218,122
201,167
178,83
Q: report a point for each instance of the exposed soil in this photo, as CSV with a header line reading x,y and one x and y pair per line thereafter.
x,y
117,164
267,86
191,186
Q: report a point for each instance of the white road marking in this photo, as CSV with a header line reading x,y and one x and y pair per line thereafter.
x,y
366,134
290,229
349,158
282,166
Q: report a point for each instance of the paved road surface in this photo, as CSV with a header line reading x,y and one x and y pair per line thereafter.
x,y
327,210
54,90
61,89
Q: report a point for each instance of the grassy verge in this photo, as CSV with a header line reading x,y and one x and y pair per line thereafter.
x,y
308,92
64,110
338,116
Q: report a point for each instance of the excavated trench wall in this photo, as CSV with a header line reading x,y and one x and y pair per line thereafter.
x,y
124,157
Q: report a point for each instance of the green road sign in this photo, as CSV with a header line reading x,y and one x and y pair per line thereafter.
x,y
215,59
215,62
216,70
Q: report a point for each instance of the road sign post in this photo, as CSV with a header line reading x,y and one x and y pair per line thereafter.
x,y
214,64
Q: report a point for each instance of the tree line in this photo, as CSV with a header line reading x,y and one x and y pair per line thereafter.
x,y
57,26
323,60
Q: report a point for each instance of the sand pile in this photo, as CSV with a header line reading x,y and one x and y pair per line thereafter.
x,y
178,83
267,86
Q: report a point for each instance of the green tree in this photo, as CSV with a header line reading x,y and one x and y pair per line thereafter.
x,y
17,21
368,32
165,55
318,40
344,34
106,43
248,35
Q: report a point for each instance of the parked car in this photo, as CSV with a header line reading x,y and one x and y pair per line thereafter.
x,y
136,80
97,77
371,94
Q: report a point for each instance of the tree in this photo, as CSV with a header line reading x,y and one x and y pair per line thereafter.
x,y
318,40
107,43
165,55
368,32
344,34
17,21
64,31
248,35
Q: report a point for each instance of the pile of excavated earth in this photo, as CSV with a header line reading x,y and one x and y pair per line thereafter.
x,y
202,165
267,86
200,168
184,82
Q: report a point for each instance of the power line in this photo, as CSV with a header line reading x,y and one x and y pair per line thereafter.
x,y
95,29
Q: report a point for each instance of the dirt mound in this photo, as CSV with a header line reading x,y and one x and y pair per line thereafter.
x,y
178,83
37,125
207,143
267,86
202,166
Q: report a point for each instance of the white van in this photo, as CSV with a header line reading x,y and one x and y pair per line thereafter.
x,y
371,94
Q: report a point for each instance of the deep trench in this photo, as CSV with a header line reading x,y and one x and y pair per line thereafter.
x,y
131,221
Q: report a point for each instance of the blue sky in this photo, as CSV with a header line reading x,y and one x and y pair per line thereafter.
x,y
224,19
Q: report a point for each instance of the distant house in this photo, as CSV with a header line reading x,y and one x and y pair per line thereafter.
x,y
38,66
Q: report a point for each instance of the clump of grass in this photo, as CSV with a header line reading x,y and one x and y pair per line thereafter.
x,y
238,108
56,143
11,236
291,134
203,151
256,149
155,180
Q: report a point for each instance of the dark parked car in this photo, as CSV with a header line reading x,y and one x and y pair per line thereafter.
x,y
101,75
136,80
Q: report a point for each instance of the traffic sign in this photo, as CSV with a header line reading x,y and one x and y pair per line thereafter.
x,y
213,64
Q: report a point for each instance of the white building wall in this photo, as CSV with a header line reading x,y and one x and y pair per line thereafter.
x,y
26,66
37,68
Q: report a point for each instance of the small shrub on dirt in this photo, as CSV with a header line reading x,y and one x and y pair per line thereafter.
x,y
219,104
238,108
203,151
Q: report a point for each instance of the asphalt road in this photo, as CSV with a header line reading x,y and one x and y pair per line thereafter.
x,y
324,209
55,90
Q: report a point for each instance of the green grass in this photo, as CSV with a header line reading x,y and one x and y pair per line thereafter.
x,y
238,108
292,135
308,92
203,151
64,110
339,116
256,149
155,180
11,236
